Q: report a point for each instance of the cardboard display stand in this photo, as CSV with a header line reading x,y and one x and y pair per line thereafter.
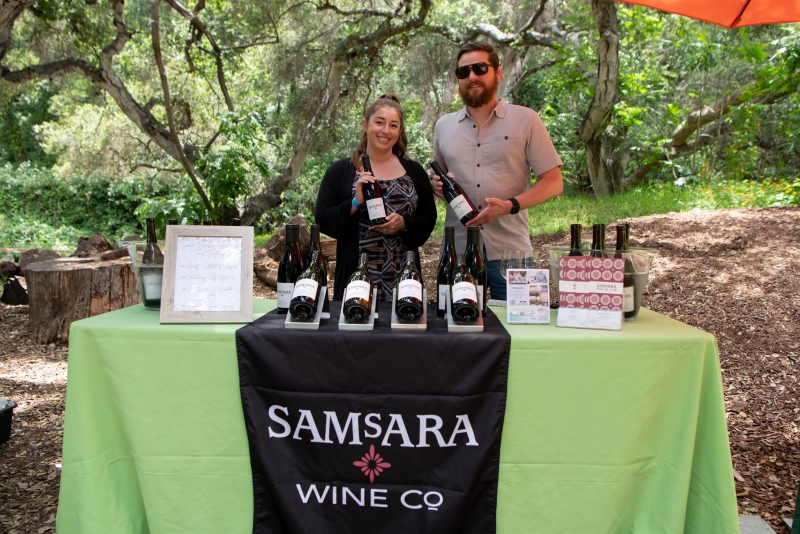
x,y
369,325
422,324
453,326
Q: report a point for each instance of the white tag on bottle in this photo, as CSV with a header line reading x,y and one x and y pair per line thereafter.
x,y
285,291
481,293
627,299
357,289
375,209
306,287
465,290
443,296
152,285
460,206
409,288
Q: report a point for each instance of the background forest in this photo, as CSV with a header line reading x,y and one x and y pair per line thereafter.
x,y
111,112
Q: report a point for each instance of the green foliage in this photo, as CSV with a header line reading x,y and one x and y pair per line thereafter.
x,y
22,112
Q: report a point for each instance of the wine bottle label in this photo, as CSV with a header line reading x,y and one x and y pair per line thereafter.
x,y
460,206
152,285
465,290
443,288
375,209
357,289
285,291
409,288
305,287
627,299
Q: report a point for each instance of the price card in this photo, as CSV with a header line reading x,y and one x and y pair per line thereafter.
x,y
528,296
590,292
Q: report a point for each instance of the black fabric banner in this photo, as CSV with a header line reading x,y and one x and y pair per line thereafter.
x,y
383,431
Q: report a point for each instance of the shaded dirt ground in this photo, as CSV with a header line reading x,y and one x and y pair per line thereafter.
x,y
733,273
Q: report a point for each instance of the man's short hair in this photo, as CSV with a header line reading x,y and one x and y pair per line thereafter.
x,y
494,59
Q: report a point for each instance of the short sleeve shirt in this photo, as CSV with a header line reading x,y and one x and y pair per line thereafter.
x,y
494,160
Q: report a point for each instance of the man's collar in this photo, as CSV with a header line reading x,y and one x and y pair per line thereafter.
x,y
499,110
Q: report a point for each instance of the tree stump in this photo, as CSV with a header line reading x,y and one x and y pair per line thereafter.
x,y
69,289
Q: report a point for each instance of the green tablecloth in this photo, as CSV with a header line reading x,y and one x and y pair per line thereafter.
x,y
605,432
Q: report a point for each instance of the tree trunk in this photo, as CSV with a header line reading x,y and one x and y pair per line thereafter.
x,y
594,123
63,291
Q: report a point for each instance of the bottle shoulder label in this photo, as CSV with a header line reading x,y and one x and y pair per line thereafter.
x,y
409,288
460,206
465,290
285,291
376,209
357,289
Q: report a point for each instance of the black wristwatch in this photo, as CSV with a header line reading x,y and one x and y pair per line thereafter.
x,y
514,206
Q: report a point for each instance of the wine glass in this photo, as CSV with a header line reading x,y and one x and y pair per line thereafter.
x,y
511,259
528,260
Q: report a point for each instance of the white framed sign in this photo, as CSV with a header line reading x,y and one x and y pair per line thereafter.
x,y
208,275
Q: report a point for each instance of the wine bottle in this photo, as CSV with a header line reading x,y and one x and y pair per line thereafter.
x,y
459,202
207,222
598,241
358,295
464,295
373,196
473,257
315,246
195,222
172,222
289,268
623,246
307,290
575,240
444,275
236,222
409,291
151,271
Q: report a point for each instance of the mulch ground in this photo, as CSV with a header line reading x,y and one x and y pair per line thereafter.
x,y
733,273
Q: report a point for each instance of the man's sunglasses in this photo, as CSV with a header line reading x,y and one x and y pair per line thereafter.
x,y
479,69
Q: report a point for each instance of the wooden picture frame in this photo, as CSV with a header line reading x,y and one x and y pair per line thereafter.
x,y
201,266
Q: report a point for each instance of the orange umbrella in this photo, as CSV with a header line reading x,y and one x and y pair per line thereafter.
x,y
730,13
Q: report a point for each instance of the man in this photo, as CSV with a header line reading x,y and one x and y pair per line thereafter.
x,y
490,147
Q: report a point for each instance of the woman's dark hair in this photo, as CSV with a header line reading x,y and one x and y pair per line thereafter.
x,y
494,59
399,148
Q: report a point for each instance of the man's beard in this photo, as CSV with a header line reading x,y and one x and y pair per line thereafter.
x,y
477,100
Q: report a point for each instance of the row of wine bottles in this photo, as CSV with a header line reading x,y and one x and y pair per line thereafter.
x,y
460,203
464,277
302,282
598,250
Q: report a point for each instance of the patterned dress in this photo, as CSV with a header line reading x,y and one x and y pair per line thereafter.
x,y
386,253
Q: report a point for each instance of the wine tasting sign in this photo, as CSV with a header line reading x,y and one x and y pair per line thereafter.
x,y
373,431
208,275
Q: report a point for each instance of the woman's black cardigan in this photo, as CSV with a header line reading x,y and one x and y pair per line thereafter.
x,y
332,213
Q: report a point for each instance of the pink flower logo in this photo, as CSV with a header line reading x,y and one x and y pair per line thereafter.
x,y
372,464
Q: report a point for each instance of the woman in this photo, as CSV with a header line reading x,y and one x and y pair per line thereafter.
x,y
411,212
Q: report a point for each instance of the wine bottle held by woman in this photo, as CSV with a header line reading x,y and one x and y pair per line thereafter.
x,y
373,197
458,200
307,290
575,240
444,275
289,268
473,257
409,291
598,241
465,295
628,307
358,295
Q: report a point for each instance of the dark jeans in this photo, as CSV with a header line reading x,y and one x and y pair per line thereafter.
x,y
497,284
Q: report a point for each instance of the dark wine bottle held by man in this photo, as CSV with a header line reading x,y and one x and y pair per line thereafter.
x,y
575,240
307,292
464,293
409,291
459,202
152,268
358,295
623,245
444,275
598,241
289,268
372,196
473,257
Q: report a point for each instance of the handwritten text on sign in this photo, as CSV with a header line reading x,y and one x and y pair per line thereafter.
x,y
208,274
